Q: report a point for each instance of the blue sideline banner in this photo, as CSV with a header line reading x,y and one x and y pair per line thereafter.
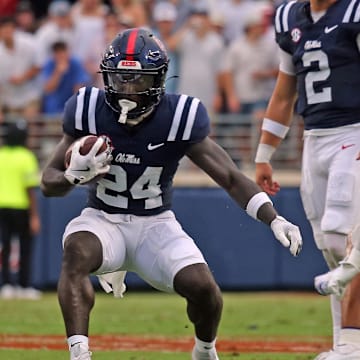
x,y
241,252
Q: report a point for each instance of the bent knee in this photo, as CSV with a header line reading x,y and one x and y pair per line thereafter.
x,y
197,284
82,252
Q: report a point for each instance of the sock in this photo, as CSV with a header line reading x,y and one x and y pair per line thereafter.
x,y
204,346
204,350
350,336
336,318
75,339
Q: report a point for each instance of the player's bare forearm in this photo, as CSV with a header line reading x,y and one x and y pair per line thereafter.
x,y
281,106
53,182
214,160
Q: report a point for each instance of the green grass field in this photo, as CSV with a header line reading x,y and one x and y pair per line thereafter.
x,y
263,316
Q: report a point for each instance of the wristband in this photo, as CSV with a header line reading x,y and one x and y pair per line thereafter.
x,y
275,128
256,202
264,153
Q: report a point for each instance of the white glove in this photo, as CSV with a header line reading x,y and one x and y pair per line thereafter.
x,y
288,234
83,168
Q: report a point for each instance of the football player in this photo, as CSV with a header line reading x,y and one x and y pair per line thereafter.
x,y
128,223
319,76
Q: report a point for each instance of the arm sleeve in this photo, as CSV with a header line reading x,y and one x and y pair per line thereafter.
x,y
286,65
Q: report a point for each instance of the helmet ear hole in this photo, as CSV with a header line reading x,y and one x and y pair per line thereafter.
x,y
134,69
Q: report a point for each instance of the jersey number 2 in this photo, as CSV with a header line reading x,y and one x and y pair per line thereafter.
x,y
146,187
324,95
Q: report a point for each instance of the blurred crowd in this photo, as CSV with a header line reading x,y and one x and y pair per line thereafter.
x,y
221,51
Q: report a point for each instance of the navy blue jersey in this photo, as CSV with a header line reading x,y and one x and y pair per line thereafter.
x,y
145,157
326,58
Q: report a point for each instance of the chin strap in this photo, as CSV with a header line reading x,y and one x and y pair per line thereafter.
x,y
126,106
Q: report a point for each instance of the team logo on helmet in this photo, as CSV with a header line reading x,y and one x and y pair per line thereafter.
x,y
153,55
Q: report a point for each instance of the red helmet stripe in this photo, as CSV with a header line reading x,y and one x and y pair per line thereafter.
x,y
130,49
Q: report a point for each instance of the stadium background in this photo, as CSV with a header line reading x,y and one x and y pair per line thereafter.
x,y
241,253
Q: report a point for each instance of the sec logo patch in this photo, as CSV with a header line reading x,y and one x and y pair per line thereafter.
x,y
295,35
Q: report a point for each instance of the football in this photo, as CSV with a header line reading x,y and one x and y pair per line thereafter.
x,y
87,142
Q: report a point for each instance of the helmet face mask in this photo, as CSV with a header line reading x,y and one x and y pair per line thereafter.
x,y
134,68
128,83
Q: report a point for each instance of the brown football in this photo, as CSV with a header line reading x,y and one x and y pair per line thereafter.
x,y
87,142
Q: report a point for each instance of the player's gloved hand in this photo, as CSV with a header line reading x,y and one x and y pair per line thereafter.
x,y
288,234
83,168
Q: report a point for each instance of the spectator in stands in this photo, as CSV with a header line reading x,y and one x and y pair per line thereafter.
x,y
218,22
20,65
63,75
18,210
200,53
184,9
113,26
59,27
89,22
25,17
131,12
235,13
164,16
251,62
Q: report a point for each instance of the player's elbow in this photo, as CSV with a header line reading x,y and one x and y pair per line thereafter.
x,y
51,188
52,191
46,191
228,182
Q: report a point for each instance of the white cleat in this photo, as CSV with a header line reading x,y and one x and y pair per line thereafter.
x,y
80,352
8,292
323,355
28,293
345,352
199,355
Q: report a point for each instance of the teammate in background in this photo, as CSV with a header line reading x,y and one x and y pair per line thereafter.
x,y
320,72
19,176
128,224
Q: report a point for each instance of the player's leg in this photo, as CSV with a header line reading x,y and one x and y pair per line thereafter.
x,y
91,243
204,306
313,196
340,217
6,224
22,224
82,255
25,242
349,341
336,280
169,260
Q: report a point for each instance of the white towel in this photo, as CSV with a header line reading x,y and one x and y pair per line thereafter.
x,y
113,282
